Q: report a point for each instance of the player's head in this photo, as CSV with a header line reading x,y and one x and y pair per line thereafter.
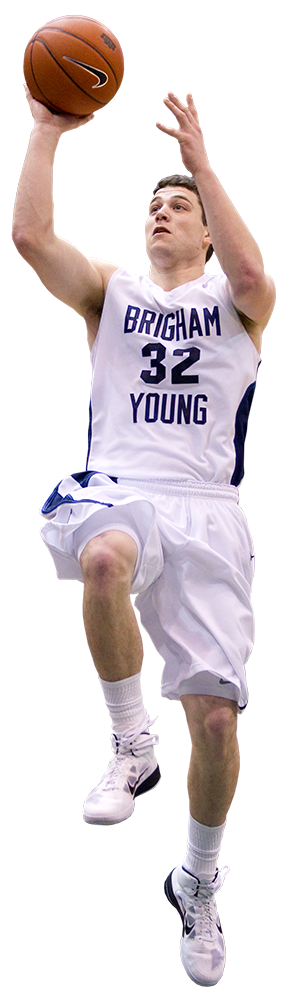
x,y
177,234
185,181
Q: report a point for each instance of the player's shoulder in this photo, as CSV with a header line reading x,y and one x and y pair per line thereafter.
x,y
107,270
215,284
214,287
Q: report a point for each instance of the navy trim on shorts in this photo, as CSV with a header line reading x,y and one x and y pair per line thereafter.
x,y
56,500
82,478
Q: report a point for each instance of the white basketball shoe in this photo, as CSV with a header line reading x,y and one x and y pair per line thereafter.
x,y
202,946
132,771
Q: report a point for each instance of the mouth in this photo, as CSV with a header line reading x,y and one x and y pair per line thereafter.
x,y
159,230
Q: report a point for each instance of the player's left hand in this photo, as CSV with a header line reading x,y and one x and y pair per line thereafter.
x,y
189,134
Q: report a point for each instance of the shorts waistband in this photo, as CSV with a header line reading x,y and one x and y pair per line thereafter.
x,y
184,487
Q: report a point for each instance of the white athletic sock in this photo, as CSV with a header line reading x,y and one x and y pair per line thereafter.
x,y
125,705
203,848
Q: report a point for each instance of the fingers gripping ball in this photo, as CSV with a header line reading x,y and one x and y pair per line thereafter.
x,y
73,65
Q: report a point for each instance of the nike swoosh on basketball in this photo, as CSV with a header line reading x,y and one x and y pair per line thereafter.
x,y
102,77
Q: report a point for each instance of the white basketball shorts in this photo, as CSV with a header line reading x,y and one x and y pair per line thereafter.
x,y
193,574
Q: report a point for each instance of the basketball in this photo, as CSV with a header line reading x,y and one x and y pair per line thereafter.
x,y
73,65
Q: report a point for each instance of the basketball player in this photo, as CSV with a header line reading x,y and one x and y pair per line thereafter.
x,y
156,512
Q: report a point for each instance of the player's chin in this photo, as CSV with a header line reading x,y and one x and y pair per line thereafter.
x,y
158,245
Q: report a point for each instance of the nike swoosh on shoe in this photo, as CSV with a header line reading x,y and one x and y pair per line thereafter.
x,y
132,788
188,930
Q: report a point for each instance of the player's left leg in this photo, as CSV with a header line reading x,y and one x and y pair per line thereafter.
x,y
212,780
215,762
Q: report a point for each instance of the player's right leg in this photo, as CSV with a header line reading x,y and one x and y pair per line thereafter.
x,y
108,564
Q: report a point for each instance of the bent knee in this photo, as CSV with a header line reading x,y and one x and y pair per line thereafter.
x,y
211,719
220,724
108,561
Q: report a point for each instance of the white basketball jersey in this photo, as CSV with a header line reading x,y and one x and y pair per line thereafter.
x,y
173,379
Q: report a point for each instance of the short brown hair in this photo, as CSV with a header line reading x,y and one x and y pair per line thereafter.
x,y
183,180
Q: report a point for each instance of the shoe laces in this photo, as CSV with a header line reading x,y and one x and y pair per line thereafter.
x,y
136,743
204,917
202,909
113,777
123,748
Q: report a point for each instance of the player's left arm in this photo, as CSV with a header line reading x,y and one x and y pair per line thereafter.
x,y
251,290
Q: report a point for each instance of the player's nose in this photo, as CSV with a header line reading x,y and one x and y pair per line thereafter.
x,y
162,213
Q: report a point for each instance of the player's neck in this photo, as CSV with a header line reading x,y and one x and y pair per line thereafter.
x,y
169,278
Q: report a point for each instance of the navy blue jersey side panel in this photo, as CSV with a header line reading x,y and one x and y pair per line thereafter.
x,y
240,433
89,433
82,474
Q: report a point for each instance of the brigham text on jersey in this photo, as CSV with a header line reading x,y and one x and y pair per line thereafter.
x,y
173,325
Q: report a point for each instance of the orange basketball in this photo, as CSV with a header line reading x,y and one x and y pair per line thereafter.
x,y
73,64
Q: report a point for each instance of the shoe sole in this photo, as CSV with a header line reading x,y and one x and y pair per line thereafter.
x,y
144,787
105,822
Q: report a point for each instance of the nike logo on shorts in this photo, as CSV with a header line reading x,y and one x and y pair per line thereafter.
x,y
224,682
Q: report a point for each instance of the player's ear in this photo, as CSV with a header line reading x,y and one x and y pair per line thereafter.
x,y
206,239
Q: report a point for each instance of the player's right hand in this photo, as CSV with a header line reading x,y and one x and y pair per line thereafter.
x,y
188,134
58,122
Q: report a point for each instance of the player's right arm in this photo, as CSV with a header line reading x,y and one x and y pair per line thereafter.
x,y
68,274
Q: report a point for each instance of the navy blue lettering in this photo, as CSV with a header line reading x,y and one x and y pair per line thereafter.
x,y
171,329
212,318
152,396
135,404
167,412
170,419
158,324
201,409
195,323
132,315
180,324
143,321
177,372
160,372
147,318
184,409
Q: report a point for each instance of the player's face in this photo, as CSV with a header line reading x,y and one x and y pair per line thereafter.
x,y
174,228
